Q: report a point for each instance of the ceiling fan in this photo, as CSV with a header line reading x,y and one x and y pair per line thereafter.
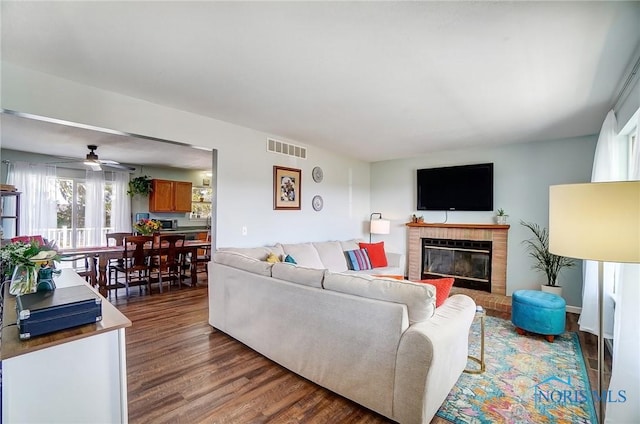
x,y
95,163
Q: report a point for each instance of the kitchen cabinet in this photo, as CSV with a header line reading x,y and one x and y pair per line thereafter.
x,y
170,196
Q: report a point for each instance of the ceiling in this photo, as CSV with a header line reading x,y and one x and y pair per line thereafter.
x,y
51,137
371,80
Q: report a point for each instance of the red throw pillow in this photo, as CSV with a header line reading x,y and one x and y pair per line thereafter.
x,y
376,254
443,287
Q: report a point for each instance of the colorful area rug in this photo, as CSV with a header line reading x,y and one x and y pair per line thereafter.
x,y
527,380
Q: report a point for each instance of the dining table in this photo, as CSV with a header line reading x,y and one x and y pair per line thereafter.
x,y
105,253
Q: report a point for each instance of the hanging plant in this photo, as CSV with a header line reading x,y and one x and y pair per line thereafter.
x,y
140,185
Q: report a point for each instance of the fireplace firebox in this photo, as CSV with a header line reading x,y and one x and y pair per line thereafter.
x,y
468,261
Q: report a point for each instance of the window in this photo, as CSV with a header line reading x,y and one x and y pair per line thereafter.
x,y
71,230
633,148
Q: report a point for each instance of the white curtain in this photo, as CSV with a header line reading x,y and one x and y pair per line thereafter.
x,y
609,164
38,210
120,203
625,373
94,212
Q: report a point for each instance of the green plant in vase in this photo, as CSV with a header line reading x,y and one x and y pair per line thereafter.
x,y
21,262
545,261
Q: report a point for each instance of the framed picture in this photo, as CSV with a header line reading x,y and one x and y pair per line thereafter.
x,y
287,188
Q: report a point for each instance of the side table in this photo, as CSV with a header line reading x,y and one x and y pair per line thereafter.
x,y
480,314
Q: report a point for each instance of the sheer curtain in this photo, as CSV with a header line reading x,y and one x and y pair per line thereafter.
x,y
38,210
609,164
625,373
121,203
94,212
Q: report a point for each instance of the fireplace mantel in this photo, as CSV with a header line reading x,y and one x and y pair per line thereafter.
x,y
480,226
495,233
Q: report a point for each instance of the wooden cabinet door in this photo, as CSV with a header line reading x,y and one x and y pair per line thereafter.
x,y
161,198
182,196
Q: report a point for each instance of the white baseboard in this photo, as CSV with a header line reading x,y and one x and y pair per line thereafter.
x,y
574,309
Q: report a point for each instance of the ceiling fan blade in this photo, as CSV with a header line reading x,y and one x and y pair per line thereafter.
x,y
117,165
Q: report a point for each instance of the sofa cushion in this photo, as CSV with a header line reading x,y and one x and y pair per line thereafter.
x,y
331,255
376,254
297,274
443,288
358,259
419,298
244,262
305,254
260,253
289,259
350,244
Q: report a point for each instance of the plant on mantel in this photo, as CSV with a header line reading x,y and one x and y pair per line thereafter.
x,y
140,185
547,262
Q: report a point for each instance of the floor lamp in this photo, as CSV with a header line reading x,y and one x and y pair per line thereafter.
x,y
600,222
378,226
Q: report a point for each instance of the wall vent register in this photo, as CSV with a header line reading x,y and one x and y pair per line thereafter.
x,y
276,146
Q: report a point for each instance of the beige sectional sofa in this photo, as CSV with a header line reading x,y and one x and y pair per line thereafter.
x,y
377,341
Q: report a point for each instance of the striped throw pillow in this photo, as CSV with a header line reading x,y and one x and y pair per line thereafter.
x,y
358,259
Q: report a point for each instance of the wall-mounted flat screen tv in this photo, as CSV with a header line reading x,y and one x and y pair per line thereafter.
x,y
456,188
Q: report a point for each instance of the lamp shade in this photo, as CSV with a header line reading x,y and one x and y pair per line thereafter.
x,y
379,226
597,221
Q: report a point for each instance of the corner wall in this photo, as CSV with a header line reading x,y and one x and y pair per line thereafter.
x,y
522,176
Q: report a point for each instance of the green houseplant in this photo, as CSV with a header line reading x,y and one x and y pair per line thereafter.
x,y
140,185
21,261
545,261
501,216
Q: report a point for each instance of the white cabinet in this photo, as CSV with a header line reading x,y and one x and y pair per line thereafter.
x,y
75,375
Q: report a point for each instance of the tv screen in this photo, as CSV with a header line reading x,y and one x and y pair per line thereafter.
x,y
456,188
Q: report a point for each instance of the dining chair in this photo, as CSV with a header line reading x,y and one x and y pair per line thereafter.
x,y
29,239
137,264
86,267
168,259
116,265
204,254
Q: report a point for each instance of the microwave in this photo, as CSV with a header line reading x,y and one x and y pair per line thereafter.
x,y
168,224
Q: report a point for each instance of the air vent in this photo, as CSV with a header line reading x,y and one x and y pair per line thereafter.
x,y
276,146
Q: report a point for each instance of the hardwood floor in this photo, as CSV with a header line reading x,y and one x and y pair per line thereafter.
x,y
182,370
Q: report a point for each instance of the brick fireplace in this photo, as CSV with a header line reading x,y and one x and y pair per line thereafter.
x,y
492,235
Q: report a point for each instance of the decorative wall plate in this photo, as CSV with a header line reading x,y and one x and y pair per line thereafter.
x,y
317,174
317,203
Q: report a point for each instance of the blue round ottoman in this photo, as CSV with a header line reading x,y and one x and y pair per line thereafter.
x,y
538,312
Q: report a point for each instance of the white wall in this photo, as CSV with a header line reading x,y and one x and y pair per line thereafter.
x,y
522,175
244,167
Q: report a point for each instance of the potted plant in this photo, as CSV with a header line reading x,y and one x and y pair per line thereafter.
x,y
547,262
140,185
501,217
21,262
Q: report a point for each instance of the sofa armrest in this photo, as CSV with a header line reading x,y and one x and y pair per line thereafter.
x,y
431,356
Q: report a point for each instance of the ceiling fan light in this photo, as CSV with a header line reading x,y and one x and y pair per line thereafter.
x,y
95,166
